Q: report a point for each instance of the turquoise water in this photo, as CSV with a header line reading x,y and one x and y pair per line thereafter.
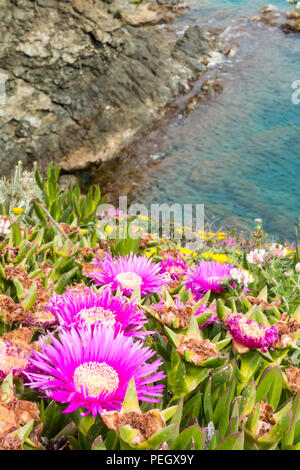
x,y
239,154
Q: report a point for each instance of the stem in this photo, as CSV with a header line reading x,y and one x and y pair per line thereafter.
x,y
55,223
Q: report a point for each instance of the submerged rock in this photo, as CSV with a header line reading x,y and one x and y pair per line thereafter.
x,y
268,9
84,78
289,21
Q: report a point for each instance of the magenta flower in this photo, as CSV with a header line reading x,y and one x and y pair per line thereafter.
x,y
174,267
212,308
207,275
228,241
87,307
112,214
91,368
251,334
128,273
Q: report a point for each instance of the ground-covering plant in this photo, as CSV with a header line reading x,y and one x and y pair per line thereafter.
x,y
141,343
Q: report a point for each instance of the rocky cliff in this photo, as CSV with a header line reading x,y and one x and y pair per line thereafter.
x,y
84,78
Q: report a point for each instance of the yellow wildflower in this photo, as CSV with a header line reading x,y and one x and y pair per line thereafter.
x,y
153,250
143,217
207,254
18,210
219,257
185,251
221,236
108,229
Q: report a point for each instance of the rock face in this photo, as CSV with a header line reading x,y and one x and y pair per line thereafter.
x,y
289,21
83,78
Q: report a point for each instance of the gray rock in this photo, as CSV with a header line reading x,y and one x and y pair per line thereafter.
x,y
85,78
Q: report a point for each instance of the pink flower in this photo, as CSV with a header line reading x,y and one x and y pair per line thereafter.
x,y
174,267
251,334
4,226
212,308
256,256
229,241
128,273
91,368
278,250
87,307
207,275
112,213
242,276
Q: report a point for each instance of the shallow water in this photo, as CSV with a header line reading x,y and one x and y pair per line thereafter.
x,y
239,153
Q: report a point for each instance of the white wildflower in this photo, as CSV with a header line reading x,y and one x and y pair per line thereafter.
x,y
4,226
256,256
241,276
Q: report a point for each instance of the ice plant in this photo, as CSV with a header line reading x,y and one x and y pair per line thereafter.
x,y
176,313
207,275
251,334
174,267
137,429
212,308
85,307
12,359
39,318
292,374
91,368
194,348
128,273
16,415
288,330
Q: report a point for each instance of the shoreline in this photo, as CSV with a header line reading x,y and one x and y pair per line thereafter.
x,y
83,80
107,174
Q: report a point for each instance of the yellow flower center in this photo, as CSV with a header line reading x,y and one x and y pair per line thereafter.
x,y
251,329
97,314
129,280
94,378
